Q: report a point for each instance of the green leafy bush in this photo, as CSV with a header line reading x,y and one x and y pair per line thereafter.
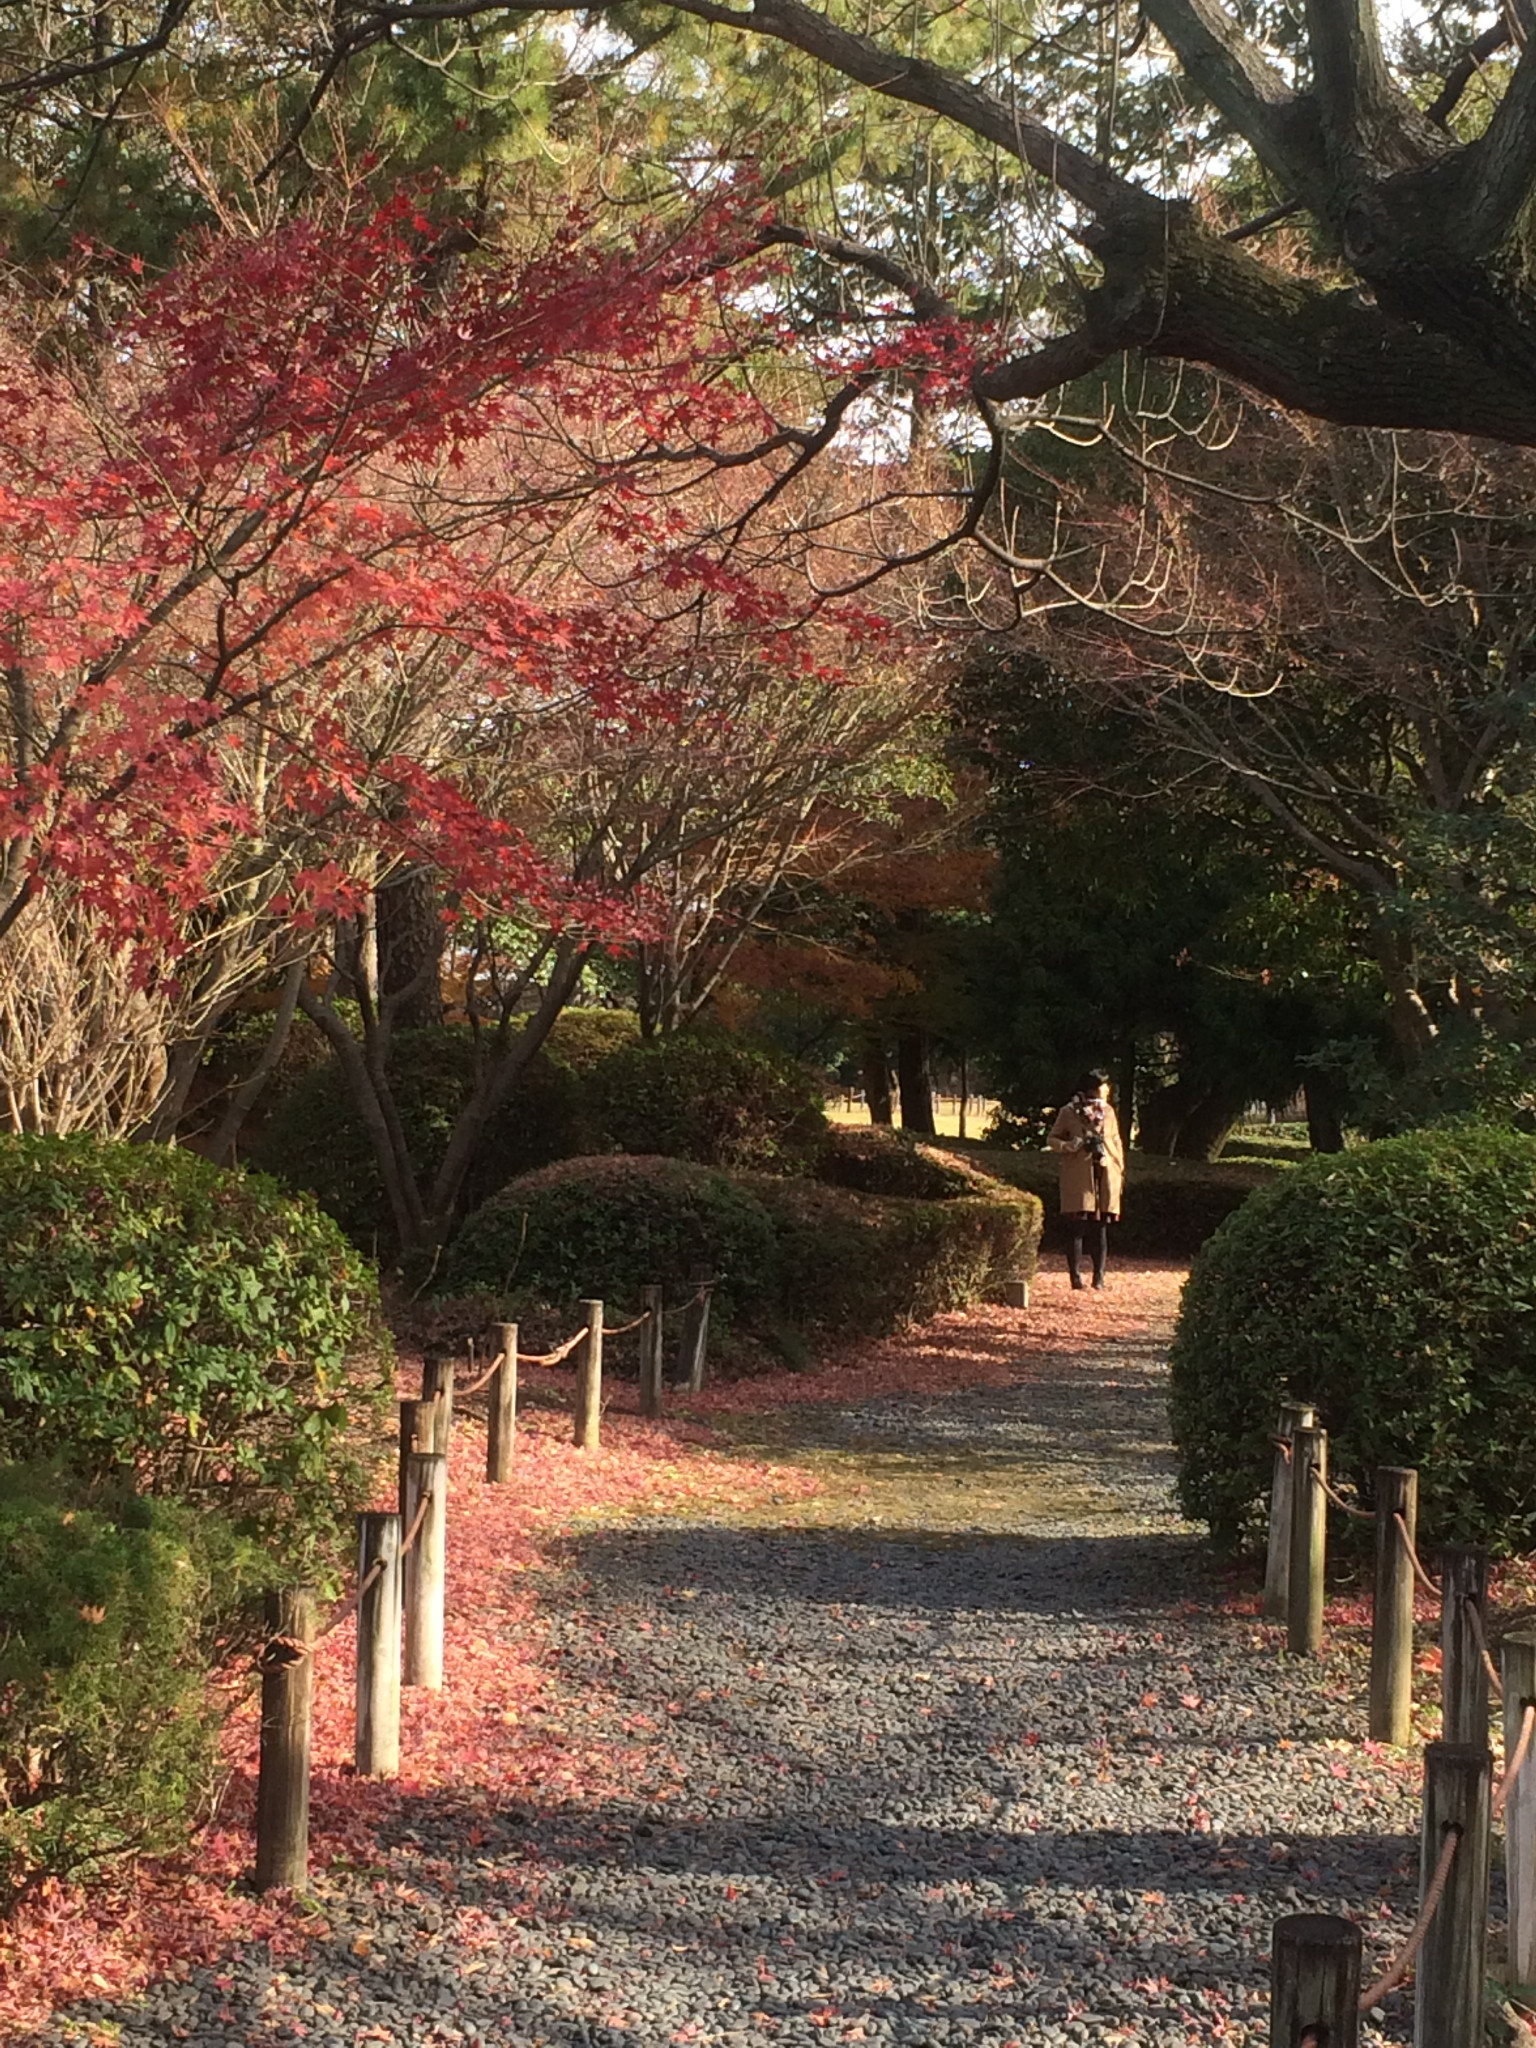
x,y
314,1139
203,1330
1394,1287
877,1161
108,1606
610,1226
1171,1206
791,1253
710,1099
848,1262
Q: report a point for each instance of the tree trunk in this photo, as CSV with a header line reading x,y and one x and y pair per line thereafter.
x,y
915,1082
1325,1124
410,942
1190,1118
877,1079
1125,1089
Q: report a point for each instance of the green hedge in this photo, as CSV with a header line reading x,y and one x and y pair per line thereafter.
x,y
203,1330
314,1140
1171,1206
108,1607
709,1098
791,1254
877,1161
1394,1287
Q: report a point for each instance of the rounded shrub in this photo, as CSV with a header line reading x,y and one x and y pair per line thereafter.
x,y
877,1161
204,1331
1390,1286
109,1605
610,1226
314,1139
705,1097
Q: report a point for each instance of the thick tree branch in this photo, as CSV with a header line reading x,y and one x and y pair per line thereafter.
x,y
1465,69
1244,87
1504,162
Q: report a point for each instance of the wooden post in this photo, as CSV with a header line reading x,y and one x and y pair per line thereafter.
x,y
501,1429
1309,1542
425,1567
282,1788
376,1750
1294,1415
589,1380
1448,2002
652,1356
411,1414
1463,1674
1397,1493
437,1390
1314,1981
1518,1658
695,1338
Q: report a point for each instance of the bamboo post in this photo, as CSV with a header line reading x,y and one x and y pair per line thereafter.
x,y
282,1787
1314,1981
501,1428
376,1751
1463,1674
426,1472
695,1339
1309,1542
1397,1493
652,1355
1448,2004
587,1432
437,1391
1518,1657
1294,1415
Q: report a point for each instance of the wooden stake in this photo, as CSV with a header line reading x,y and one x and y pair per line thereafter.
x,y
282,1789
1518,1660
426,1472
1294,1415
1314,1981
1463,1674
377,1742
1309,1542
1448,2000
589,1380
411,1425
695,1339
501,1431
652,1356
437,1390
1397,1493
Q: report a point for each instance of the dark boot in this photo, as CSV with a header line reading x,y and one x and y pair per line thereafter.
x,y
1075,1255
1100,1251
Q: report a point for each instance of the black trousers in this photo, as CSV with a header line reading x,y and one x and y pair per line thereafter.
x,y
1096,1230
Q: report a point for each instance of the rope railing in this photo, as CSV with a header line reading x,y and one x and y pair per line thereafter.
x,y
1430,1585
296,1647
1475,1617
558,1356
1515,1763
1348,1507
1403,1961
479,1385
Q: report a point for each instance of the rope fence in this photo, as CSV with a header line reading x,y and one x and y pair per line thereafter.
x,y
1406,1956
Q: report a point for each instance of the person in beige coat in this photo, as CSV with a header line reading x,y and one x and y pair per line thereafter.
x,y
1086,1136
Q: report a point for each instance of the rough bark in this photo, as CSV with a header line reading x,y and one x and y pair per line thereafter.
x,y
915,1082
876,1069
1325,1113
410,943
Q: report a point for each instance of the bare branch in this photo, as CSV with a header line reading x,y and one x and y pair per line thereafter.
x,y
1465,69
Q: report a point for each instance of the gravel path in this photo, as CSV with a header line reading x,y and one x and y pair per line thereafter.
x,y
1020,1781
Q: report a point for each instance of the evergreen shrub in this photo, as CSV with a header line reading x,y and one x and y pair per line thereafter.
x,y
314,1139
203,1331
708,1098
1394,1286
109,1608
880,1161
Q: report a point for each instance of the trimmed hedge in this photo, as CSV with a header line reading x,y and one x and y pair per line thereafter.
x,y
1392,1286
1171,1205
878,1161
203,1330
315,1141
791,1254
711,1099
108,1734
